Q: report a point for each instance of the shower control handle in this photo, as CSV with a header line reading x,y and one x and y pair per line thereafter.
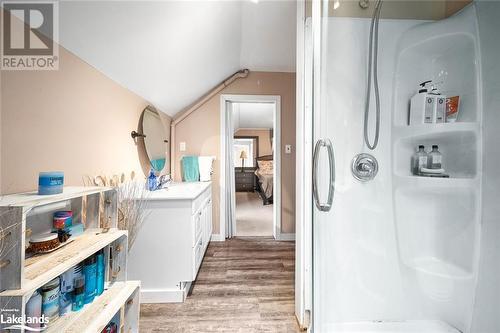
x,y
324,143
364,167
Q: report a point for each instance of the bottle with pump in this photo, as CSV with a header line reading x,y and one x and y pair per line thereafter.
x,y
152,183
422,105
419,160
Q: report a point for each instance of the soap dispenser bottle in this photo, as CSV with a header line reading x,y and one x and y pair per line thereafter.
x,y
419,160
152,183
422,105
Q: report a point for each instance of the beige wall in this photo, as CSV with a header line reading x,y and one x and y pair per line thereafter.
x,y
74,120
264,139
400,9
201,132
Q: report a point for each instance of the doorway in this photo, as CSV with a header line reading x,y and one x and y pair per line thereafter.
x,y
250,178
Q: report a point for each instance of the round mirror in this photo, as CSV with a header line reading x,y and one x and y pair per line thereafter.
x,y
155,142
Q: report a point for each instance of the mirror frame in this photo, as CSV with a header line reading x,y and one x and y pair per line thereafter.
x,y
140,136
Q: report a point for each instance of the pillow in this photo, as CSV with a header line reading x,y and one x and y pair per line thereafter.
x,y
266,167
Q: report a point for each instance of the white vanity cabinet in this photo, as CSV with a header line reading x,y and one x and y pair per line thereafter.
x,y
172,241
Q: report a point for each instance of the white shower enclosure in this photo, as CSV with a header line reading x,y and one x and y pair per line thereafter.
x,y
400,252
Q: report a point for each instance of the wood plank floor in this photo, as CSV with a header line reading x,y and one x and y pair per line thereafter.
x,y
244,285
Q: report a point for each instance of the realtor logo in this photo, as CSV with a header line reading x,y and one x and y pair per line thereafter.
x,y
29,35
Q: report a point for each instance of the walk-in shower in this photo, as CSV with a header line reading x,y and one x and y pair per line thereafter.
x,y
411,250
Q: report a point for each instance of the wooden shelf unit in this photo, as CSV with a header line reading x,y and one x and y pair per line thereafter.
x,y
96,208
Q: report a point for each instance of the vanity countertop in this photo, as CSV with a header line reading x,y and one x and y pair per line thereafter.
x,y
180,191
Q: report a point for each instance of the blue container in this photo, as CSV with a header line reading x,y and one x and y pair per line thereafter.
x,y
90,274
78,294
100,272
50,182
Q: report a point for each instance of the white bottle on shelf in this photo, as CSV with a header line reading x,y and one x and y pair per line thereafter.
x,y
422,105
439,114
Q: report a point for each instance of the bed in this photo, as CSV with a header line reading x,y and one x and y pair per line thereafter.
x,y
265,178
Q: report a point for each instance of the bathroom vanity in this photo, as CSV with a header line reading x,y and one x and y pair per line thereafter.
x,y
172,241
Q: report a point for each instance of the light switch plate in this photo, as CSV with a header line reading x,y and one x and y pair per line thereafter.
x,y
288,149
182,146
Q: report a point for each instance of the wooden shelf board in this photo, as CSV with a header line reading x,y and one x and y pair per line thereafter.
x,y
32,199
41,269
96,315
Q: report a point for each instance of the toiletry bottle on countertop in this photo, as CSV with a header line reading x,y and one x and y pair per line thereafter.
x,y
90,274
152,183
419,160
100,272
422,105
435,158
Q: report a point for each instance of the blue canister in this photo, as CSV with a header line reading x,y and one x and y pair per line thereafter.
x,y
90,275
50,182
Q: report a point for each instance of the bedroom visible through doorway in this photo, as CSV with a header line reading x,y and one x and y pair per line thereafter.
x,y
253,168
251,201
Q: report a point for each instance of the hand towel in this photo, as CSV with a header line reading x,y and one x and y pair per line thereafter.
x,y
190,169
205,166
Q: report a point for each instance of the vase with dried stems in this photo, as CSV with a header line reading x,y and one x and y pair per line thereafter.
x,y
132,201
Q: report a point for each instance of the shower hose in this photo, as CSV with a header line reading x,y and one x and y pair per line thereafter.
x,y
372,64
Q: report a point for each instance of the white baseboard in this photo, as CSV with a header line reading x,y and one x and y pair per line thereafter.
x,y
217,238
164,295
285,237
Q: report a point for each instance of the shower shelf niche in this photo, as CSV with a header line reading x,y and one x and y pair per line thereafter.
x,y
459,149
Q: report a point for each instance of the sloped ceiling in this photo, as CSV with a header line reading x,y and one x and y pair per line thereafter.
x,y
172,52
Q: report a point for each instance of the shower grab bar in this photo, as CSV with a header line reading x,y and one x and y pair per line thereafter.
x,y
325,207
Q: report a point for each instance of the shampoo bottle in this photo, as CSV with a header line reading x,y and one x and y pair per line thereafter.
x,y
90,274
422,105
78,294
100,272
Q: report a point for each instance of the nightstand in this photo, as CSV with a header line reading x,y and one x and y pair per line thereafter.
x,y
244,180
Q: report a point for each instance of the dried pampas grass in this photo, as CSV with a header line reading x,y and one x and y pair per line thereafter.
x,y
131,201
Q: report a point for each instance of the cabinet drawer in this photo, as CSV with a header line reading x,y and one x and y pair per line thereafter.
x,y
244,187
198,202
244,175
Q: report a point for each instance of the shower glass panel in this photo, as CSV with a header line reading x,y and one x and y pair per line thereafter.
x,y
399,250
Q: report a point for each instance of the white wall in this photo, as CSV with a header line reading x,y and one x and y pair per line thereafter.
x,y
173,52
269,35
486,318
168,52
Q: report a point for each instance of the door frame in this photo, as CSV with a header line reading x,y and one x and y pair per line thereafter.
x,y
303,188
225,127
